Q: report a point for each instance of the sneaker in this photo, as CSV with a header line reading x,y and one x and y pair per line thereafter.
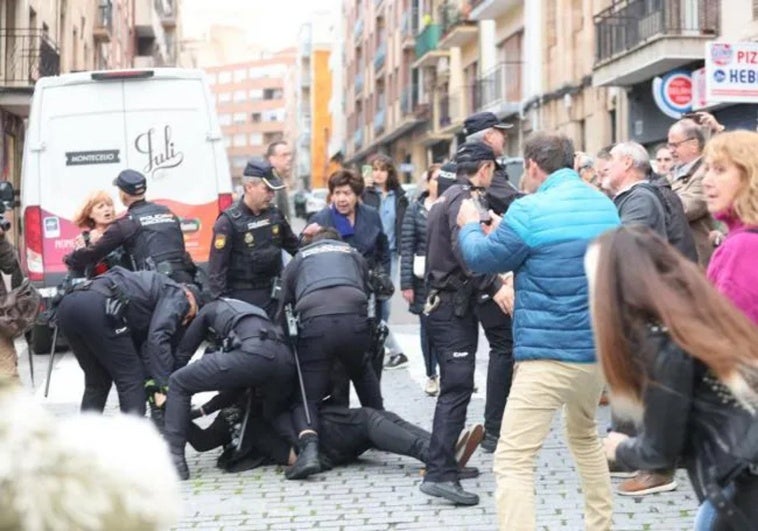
x,y
432,387
646,482
450,490
396,361
617,471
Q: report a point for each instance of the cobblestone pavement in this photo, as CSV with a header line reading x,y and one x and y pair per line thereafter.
x,y
381,490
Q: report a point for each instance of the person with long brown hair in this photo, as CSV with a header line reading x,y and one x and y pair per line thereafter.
x,y
682,361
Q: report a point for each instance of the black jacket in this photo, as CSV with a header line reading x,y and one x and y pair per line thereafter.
x,y
157,306
689,415
501,192
677,227
373,198
640,205
412,244
369,238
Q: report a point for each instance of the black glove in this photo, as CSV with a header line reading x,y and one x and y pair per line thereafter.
x,y
196,413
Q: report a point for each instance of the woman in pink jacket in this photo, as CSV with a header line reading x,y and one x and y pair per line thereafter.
x,y
731,189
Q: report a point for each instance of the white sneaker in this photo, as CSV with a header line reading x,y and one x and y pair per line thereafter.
x,y
432,387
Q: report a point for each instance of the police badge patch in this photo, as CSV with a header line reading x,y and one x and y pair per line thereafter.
x,y
275,230
220,241
248,238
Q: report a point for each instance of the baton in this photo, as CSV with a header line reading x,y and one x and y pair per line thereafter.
x,y
292,334
52,357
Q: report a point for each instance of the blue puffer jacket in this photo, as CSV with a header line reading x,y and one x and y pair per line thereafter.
x,y
543,238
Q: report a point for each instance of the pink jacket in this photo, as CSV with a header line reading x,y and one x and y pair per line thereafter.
x,y
733,267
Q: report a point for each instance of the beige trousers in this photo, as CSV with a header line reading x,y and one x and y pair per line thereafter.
x,y
8,359
540,388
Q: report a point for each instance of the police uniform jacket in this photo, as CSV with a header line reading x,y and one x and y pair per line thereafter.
x,y
445,267
150,233
153,316
247,247
309,280
501,192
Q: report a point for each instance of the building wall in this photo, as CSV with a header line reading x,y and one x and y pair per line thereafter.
x,y
321,93
251,105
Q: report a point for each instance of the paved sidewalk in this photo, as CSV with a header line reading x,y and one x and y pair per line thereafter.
x,y
381,491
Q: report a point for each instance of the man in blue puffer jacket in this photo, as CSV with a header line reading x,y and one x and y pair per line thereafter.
x,y
542,239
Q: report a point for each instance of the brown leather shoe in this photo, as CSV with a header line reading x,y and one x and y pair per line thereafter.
x,y
646,482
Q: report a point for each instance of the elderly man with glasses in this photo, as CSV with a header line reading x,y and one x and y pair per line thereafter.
x,y
686,140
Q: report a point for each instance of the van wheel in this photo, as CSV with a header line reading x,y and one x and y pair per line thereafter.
x,y
41,339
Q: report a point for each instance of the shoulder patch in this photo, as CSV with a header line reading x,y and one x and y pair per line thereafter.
x,y
220,241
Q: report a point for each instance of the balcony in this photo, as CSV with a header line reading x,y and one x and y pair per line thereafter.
x,y
358,139
499,90
103,27
640,39
359,84
491,9
381,56
144,14
457,29
380,120
427,52
358,30
450,114
409,28
166,10
26,55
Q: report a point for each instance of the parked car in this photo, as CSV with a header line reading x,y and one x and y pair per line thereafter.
x,y
316,201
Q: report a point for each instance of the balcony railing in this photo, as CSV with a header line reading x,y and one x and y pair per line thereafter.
x,y
380,120
358,138
500,85
451,16
628,24
358,30
409,23
166,9
29,54
381,55
444,112
427,40
104,20
358,83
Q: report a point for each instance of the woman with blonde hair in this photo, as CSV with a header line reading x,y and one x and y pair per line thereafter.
x,y
94,217
682,361
730,185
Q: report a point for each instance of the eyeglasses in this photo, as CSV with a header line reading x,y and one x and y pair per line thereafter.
x,y
675,145
663,159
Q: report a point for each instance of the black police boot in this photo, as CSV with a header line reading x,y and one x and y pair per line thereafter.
x,y
180,463
450,490
307,461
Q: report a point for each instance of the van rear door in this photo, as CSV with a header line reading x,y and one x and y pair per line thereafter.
x,y
168,131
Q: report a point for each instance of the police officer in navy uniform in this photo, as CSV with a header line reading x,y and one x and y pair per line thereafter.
x,y
248,239
327,284
497,324
252,351
124,326
150,234
452,323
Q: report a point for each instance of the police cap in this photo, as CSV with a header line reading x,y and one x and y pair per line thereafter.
x,y
260,168
472,152
483,120
131,182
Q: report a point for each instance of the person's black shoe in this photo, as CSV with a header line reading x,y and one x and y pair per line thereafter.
x,y
307,461
180,463
468,472
396,361
489,443
450,490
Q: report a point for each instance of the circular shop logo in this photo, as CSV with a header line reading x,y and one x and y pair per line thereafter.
x,y
719,76
673,93
721,53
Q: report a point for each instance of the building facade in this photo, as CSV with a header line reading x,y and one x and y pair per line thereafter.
x,y
251,105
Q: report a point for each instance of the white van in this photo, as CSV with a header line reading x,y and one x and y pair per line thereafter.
x,y
84,128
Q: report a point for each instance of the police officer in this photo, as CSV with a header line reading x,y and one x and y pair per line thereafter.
x,y
150,233
123,326
497,324
327,283
248,238
253,352
452,324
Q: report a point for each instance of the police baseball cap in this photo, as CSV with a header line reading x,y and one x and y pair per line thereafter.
x,y
483,120
131,182
474,152
263,170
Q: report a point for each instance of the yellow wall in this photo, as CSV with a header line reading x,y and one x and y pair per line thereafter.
x,y
321,124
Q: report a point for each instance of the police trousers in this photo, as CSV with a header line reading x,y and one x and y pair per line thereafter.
x,y
105,353
265,364
455,339
320,341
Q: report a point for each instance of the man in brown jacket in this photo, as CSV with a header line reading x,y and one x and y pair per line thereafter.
x,y
686,140
9,266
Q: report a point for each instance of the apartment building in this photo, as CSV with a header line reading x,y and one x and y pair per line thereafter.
x,y
157,33
251,105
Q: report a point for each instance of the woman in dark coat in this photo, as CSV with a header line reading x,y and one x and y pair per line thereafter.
x,y
412,253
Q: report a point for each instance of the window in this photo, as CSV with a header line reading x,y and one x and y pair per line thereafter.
x,y
271,137
240,140
273,94
240,95
240,75
256,94
239,117
255,73
224,97
224,77
256,139
224,119
273,115
256,117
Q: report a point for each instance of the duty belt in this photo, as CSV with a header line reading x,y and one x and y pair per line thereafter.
x,y
99,286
